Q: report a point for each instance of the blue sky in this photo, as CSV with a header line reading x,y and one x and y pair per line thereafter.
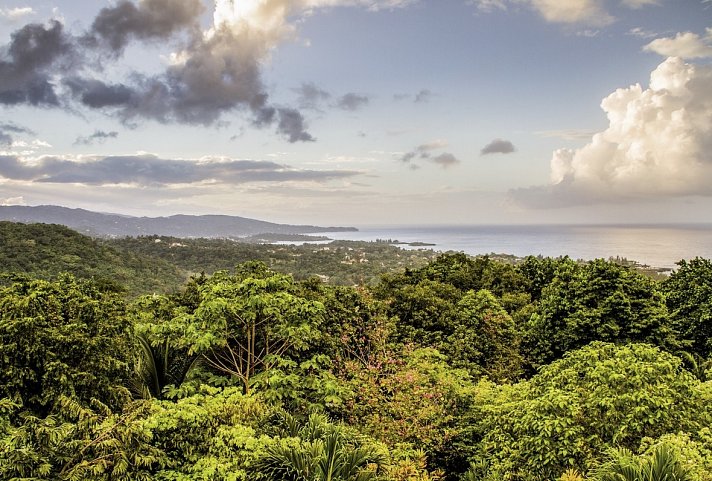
x,y
361,111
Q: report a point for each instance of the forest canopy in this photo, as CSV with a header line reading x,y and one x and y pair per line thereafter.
x,y
450,368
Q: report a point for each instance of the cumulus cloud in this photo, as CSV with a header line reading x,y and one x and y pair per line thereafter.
x,y
114,27
498,146
214,71
658,143
99,136
15,14
35,53
150,170
352,101
684,44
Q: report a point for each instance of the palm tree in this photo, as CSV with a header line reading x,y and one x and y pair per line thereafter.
x,y
323,452
157,366
661,465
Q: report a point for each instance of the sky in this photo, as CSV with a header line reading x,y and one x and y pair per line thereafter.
x,y
361,112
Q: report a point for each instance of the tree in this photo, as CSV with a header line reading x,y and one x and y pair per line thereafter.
x,y
598,301
243,326
62,338
688,294
596,398
321,452
485,341
660,465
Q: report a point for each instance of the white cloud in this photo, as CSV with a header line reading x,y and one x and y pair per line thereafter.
x,y
684,44
589,12
12,201
658,143
15,14
488,5
580,12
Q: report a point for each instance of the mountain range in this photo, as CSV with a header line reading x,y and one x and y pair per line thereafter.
x,y
115,225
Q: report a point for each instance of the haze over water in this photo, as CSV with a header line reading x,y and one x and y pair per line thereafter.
x,y
656,245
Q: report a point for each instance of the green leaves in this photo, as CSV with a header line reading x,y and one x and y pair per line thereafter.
x,y
62,338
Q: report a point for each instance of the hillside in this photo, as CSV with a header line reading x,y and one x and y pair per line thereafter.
x,y
45,250
114,225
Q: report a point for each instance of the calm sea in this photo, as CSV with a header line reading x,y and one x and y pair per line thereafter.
x,y
654,245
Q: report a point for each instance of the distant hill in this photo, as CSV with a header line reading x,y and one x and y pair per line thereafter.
x,y
113,225
46,250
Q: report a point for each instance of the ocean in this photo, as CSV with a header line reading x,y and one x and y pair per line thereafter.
x,y
654,245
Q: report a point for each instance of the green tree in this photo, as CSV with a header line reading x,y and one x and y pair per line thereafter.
x,y
688,293
485,341
599,397
244,326
62,338
319,451
597,301
660,465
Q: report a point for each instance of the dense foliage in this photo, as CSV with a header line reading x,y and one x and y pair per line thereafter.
x,y
457,369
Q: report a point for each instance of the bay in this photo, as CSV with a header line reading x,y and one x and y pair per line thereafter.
x,y
654,245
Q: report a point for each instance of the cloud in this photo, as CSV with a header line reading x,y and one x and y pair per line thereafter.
x,y
152,171
498,146
214,71
99,136
352,101
8,129
15,14
641,33
20,200
420,97
425,152
34,54
658,144
445,160
684,44
423,96
589,12
311,96
114,27
581,12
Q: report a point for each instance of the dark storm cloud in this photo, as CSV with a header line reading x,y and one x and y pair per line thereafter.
x,y
99,136
310,96
352,101
34,54
149,170
218,73
114,27
498,146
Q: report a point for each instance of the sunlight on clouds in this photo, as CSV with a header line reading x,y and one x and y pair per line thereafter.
x,y
658,142
684,44
590,12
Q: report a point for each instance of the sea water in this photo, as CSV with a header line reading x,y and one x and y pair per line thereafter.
x,y
653,245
